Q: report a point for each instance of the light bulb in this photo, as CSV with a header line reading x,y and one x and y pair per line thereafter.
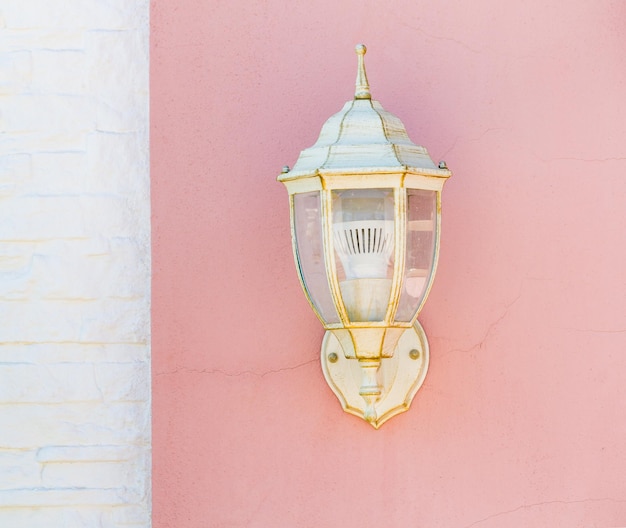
x,y
364,247
363,236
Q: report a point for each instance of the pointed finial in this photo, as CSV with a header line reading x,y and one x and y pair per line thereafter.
x,y
362,86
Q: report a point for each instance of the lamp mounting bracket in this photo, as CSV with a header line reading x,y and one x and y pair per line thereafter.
x,y
377,390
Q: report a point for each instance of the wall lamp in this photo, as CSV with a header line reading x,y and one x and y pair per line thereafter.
x,y
365,206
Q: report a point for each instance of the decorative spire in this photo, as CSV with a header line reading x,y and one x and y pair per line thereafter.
x,y
362,86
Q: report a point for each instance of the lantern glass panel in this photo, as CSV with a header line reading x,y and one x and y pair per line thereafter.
x,y
421,232
363,238
310,254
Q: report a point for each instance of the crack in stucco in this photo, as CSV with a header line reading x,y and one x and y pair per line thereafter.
x,y
584,160
451,148
486,131
537,504
539,158
490,327
235,374
472,140
595,331
437,37
260,504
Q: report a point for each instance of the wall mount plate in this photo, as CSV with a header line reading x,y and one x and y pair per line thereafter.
x,y
399,377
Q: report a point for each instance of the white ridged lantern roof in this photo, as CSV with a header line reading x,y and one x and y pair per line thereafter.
x,y
363,138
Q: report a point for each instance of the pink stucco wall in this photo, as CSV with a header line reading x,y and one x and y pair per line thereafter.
x,y
522,418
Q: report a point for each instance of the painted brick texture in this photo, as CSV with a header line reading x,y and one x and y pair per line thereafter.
x,y
74,264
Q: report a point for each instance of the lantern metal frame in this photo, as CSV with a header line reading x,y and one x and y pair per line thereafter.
x,y
376,367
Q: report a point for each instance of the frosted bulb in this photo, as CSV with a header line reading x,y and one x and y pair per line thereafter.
x,y
364,247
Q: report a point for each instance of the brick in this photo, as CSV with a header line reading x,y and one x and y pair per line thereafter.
x,y
35,497
12,268
109,320
28,39
80,277
132,264
15,170
67,216
100,14
45,141
52,112
17,71
124,381
127,320
67,516
113,164
112,113
19,469
48,383
80,247
99,475
29,426
120,65
50,353
58,173
63,516
59,72
88,453
134,516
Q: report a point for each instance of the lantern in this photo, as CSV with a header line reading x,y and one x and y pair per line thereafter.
x,y
365,205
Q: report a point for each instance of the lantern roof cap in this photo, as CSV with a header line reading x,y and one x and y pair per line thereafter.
x,y
363,138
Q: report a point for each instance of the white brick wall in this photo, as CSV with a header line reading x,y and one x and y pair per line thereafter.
x,y
74,264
